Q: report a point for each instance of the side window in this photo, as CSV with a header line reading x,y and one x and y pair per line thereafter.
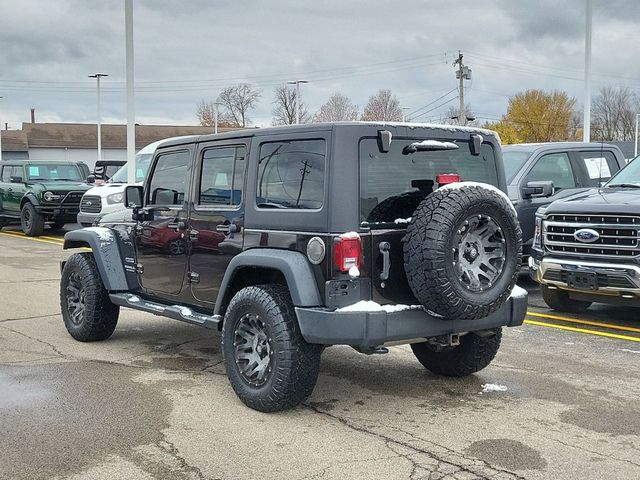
x,y
291,174
169,180
222,176
6,174
598,165
555,167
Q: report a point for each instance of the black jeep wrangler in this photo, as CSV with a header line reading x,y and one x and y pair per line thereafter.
x,y
295,238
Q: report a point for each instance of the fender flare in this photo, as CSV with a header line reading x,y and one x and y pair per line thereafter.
x,y
104,244
29,197
294,266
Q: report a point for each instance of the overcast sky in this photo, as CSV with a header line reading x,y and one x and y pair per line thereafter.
x,y
188,50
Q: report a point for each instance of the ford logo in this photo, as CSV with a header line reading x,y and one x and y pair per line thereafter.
x,y
586,235
88,204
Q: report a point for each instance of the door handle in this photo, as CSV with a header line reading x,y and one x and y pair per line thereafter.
x,y
384,250
227,228
177,226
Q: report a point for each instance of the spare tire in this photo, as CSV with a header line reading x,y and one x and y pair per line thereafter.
x,y
462,251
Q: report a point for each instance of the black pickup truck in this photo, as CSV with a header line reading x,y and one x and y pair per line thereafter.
x,y
587,246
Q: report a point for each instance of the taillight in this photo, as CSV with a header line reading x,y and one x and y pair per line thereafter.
x,y
347,251
447,178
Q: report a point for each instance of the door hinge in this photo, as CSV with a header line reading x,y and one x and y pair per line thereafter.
x,y
194,277
139,268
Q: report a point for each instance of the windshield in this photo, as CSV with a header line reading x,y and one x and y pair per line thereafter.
x,y
390,181
142,165
628,176
54,172
513,162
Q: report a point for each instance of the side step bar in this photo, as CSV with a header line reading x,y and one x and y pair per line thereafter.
x,y
177,312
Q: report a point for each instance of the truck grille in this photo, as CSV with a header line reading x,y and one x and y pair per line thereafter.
x,y
72,198
618,235
91,204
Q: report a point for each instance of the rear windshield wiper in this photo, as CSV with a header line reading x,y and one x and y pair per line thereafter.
x,y
429,146
624,185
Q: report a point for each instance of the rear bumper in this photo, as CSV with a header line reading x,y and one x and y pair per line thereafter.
x,y
371,329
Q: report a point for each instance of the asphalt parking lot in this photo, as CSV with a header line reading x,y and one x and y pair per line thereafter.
x,y
153,401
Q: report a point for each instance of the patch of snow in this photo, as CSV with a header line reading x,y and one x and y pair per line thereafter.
x,y
493,188
185,311
492,387
434,126
629,350
371,306
402,220
354,272
518,291
350,235
153,306
134,299
104,235
435,143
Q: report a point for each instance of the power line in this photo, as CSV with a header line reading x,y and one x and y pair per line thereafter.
x,y
434,108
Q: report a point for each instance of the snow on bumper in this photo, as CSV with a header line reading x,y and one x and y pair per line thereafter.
x,y
371,328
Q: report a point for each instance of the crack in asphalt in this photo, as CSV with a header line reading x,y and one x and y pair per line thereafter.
x,y
34,317
169,448
440,462
594,452
31,281
50,345
324,471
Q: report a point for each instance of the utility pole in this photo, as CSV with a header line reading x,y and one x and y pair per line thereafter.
x,y
463,73
586,126
1,139
216,105
297,84
98,76
131,117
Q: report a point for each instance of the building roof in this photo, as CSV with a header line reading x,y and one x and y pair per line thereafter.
x,y
14,141
85,135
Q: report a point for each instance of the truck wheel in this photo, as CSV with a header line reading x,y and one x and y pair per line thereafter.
x,y
462,251
560,300
87,310
268,363
32,221
473,354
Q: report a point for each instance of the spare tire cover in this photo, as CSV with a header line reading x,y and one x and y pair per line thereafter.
x,y
462,251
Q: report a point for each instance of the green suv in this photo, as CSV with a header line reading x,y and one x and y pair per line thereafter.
x,y
38,192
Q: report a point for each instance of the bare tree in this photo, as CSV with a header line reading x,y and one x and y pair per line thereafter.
x,y
206,116
237,100
284,112
383,106
613,115
338,108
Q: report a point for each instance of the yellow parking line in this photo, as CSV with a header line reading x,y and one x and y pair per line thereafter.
x,y
35,239
582,330
57,239
585,322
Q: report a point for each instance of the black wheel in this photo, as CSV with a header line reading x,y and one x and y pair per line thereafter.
x,y
462,251
560,300
473,354
269,365
32,221
87,310
57,225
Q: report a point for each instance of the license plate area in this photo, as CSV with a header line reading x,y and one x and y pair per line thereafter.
x,y
582,280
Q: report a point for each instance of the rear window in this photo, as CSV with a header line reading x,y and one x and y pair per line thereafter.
x,y
390,179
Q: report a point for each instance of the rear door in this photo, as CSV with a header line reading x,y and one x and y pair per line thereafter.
x,y
217,217
13,190
161,242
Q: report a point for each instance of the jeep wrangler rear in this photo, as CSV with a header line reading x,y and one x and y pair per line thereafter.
x,y
292,239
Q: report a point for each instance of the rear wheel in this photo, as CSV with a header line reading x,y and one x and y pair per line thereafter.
x,y
559,300
473,354
87,310
32,221
268,363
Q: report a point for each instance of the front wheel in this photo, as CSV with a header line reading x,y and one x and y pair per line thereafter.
x,y
87,310
560,300
268,363
473,354
32,221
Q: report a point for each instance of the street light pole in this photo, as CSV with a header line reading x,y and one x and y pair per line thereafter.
x,y
216,105
404,115
635,149
586,126
98,76
297,84
1,137
131,117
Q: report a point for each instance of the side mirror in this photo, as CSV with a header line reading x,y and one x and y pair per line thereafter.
x,y
133,195
91,179
538,189
16,180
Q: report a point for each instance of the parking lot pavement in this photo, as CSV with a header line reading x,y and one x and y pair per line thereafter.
x,y
153,401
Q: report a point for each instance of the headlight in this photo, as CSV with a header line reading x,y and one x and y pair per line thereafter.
x,y
115,198
51,197
537,235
